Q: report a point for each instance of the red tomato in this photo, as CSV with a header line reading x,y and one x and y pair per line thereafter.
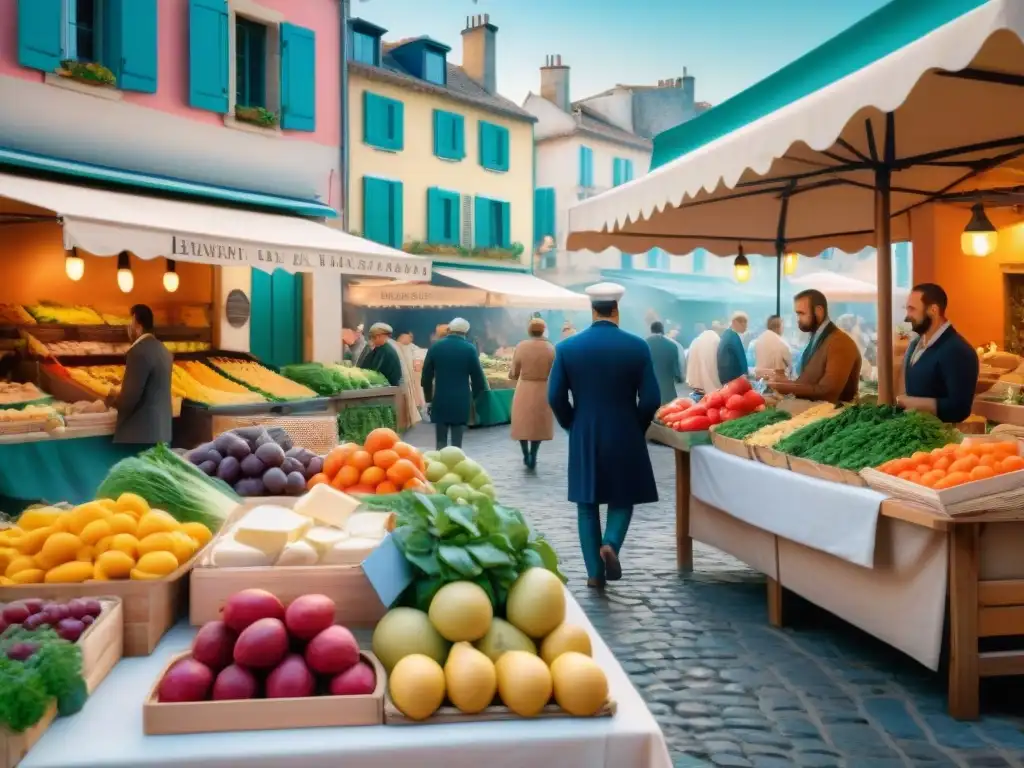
x,y
714,416
726,415
737,403
753,399
714,400
738,386
695,424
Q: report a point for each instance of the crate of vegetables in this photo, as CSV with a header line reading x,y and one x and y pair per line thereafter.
x,y
263,666
979,474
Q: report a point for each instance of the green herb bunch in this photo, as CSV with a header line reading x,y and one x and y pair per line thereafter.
x,y
356,422
482,542
53,672
807,438
745,426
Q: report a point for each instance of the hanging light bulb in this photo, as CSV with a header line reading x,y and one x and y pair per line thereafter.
x,y
171,279
979,237
789,262
125,278
74,265
741,267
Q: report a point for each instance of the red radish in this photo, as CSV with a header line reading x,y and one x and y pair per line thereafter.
x,y
309,615
291,679
70,629
16,613
249,606
214,645
235,682
357,680
262,644
332,651
187,680
34,604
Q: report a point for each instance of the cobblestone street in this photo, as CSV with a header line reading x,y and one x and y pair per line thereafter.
x,y
726,688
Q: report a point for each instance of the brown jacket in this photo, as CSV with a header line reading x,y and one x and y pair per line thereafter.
x,y
532,418
833,372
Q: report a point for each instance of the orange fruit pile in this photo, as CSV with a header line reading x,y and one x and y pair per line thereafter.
x,y
954,464
381,465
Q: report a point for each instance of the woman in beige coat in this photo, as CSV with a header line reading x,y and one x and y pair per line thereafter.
x,y
532,420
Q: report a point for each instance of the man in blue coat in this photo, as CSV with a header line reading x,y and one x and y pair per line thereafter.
x,y
610,376
941,367
732,355
452,378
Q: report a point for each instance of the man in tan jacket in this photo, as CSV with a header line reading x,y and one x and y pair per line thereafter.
x,y
830,365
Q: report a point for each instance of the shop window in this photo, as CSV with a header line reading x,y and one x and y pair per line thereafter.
x,y
443,227
382,211
366,49
449,135
434,69
492,223
250,63
494,147
383,122
83,22
586,175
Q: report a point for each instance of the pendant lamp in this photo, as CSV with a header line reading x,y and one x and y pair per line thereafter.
x,y
171,279
789,262
741,267
979,237
125,278
74,265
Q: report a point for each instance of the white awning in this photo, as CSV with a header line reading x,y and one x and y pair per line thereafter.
x,y
955,99
518,289
403,294
838,287
105,223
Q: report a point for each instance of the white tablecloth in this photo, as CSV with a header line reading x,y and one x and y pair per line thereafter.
x,y
830,517
108,733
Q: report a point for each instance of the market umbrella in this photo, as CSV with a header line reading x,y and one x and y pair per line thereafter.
x,y
917,103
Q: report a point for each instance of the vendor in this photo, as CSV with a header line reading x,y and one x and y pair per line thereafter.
x,y
940,368
143,402
382,356
830,364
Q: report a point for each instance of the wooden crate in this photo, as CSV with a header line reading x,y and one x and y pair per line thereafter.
x,y
356,600
14,746
102,643
150,608
808,468
264,714
771,457
730,445
447,715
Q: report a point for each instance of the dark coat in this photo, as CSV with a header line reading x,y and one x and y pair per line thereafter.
x,y
732,357
144,412
665,356
452,378
610,375
383,359
946,371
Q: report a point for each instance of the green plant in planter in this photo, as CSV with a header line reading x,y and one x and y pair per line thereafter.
x,y
256,115
420,248
87,72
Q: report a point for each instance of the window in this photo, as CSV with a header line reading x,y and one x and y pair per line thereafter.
x,y
903,264
622,171
443,226
492,223
654,258
625,261
543,214
250,63
493,147
586,166
364,49
449,135
383,122
434,69
700,261
382,211
82,35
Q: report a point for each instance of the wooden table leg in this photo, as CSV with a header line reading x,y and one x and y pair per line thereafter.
x,y
684,544
775,616
963,622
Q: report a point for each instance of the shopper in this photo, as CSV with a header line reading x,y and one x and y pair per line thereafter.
x,y
383,357
452,378
532,420
143,402
732,354
604,392
771,352
665,355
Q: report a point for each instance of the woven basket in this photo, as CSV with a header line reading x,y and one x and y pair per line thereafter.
x,y
317,433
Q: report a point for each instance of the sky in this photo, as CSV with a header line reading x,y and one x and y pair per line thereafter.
x,y
728,45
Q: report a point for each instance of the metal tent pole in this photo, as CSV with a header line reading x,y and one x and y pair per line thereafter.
x,y
883,262
780,244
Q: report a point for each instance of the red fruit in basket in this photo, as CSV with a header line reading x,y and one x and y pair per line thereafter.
x,y
3,625
92,607
214,645
357,680
186,680
332,651
291,679
262,644
87,620
35,621
736,403
16,613
34,604
249,606
55,613
309,615
22,651
235,682
77,608
70,629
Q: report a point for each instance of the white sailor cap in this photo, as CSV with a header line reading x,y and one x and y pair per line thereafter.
x,y
381,328
459,325
605,292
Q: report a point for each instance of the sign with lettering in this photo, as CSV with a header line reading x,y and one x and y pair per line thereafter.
x,y
413,295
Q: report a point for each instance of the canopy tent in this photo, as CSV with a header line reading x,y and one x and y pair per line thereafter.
x,y
517,289
918,102
837,287
688,288
105,223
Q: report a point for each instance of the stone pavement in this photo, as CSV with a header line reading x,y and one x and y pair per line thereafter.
x,y
728,689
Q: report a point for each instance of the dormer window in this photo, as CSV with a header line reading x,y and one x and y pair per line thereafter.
x,y
434,69
423,58
365,42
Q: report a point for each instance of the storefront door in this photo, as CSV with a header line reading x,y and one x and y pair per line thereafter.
x,y
275,334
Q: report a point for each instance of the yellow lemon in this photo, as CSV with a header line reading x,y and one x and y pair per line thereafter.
x,y
125,542
159,563
29,576
33,541
103,545
156,521
86,554
5,582
69,573
7,555
138,575
96,530
109,504
184,546
40,517
199,532
18,564
114,564
133,504
122,522
156,542
84,514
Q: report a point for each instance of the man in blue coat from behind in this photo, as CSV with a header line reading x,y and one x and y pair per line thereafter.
x,y
610,376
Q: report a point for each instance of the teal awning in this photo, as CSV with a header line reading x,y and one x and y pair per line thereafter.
x,y
885,31
71,169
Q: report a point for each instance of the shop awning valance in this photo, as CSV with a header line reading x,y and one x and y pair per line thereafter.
x,y
517,289
392,294
931,91
104,223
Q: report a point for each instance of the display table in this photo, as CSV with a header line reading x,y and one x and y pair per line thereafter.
x,y
108,732
900,596
492,408
57,467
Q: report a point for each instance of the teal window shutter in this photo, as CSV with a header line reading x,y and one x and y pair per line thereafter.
x,y
700,258
543,213
449,135
459,124
482,225
627,170
616,172
286,311
383,121
132,48
442,216
486,142
503,237
453,231
39,34
377,210
208,55
494,148
625,261
502,159
298,78
397,225
653,258
261,318
586,166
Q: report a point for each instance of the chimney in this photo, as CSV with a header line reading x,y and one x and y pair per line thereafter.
x,y
479,51
689,86
554,82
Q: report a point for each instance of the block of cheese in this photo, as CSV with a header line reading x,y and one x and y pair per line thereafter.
x,y
370,525
269,529
349,551
299,552
323,538
327,505
228,553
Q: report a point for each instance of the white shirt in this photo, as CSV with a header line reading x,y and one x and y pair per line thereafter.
x,y
771,352
702,363
922,345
